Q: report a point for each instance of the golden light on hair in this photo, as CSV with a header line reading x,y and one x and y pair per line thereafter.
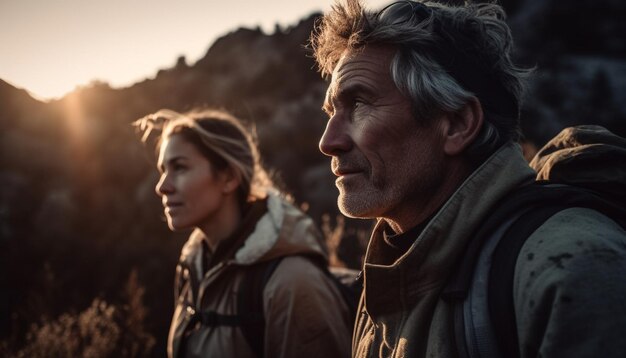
x,y
239,151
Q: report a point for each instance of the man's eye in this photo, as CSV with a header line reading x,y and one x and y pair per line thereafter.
x,y
357,105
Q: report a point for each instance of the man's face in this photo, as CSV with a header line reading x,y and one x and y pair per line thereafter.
x,y
386,161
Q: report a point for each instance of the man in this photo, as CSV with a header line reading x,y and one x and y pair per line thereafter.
x,y
423,109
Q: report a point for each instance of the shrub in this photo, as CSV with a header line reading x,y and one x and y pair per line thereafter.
x,y
102,330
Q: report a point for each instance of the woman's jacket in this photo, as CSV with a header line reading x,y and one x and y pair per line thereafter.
x,y
304,311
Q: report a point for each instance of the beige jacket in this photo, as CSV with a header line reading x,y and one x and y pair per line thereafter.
x,y
402,313
304,311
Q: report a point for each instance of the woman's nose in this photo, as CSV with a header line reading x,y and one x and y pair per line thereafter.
x,y
163,186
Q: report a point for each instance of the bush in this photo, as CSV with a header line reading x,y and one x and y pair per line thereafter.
x,y
102,330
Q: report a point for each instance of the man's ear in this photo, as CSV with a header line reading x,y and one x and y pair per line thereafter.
x,y
462,127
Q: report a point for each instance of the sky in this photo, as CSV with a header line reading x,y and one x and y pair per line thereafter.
x,y
49,47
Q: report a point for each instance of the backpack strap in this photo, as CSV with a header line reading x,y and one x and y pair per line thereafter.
x,y
501,277
474,331
250,296
484,318
250,317
349,282
474,336
250,303
504,259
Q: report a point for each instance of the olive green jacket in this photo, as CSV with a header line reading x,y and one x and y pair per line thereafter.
x,y
559,288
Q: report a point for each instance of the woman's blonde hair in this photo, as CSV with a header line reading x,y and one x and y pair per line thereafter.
x,y
221,138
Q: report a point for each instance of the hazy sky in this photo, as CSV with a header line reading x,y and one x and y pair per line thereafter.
x,y
49,47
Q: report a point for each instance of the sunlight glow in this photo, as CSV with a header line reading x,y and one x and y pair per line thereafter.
x,y
74,116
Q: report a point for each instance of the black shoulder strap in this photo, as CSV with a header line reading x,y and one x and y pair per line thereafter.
x,y
250,303
250,298
350,284
250,317
502,272
531,205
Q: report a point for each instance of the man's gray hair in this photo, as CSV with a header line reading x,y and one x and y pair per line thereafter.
x,y
445,55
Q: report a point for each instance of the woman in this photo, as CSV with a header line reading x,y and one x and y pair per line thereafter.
x,y
211,181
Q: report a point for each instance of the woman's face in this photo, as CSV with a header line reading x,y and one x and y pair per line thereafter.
x,y
192,192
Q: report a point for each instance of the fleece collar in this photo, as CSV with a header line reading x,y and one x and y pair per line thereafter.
x,y
265,234
283,230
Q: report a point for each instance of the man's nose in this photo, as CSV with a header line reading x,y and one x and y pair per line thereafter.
x,y
336,138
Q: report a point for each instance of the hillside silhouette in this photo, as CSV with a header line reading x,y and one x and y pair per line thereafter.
x,y
82,238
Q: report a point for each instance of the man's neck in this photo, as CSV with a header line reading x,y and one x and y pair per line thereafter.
x,y
415,212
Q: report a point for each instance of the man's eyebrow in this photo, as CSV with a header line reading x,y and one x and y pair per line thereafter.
x,y
352,89
327,107
348,90
345,88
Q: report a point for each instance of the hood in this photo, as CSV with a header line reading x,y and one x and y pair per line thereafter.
x,y
282,231
587,156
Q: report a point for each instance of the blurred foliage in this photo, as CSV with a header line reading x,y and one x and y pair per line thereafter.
x,y
87,262
100,331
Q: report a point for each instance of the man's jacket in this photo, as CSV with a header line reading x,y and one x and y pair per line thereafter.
x,y
558,277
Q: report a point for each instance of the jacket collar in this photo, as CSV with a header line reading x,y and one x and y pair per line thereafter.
x,y
282,230
433,256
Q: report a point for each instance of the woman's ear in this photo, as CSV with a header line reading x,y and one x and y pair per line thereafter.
x,y
230,180
462,127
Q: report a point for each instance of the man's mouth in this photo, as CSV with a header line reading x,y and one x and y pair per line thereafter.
x,y
345,171
340,169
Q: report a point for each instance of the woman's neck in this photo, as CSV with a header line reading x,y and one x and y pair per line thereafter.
x,y
223,224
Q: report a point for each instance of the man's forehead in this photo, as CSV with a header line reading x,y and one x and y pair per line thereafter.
x,y
347,55
380,55
370,58
336,77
